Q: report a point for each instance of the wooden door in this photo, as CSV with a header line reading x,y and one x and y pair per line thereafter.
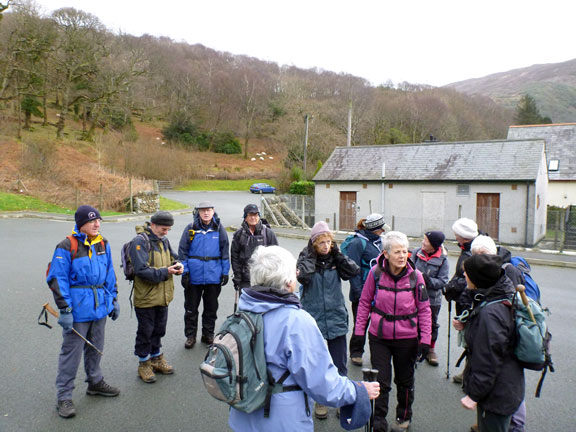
x,y
347,211
488,213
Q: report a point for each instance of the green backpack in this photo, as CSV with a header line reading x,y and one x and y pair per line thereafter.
x,y
235,371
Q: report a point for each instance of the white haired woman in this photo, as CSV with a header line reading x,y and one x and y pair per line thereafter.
x,y
395,301
293,342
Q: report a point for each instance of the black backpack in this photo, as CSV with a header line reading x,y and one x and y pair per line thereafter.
x,y
126,262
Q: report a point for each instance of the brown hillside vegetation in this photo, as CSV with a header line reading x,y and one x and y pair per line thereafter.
x,y
73,171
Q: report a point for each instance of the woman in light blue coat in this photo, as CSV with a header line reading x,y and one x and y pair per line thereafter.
x,y
292,342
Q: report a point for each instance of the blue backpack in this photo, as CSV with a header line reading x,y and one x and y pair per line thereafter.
x,y
532,289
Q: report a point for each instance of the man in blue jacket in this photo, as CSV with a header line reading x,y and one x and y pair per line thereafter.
x,y
82,279
204,252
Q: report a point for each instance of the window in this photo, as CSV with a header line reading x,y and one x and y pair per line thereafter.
x,y
463,189
553,165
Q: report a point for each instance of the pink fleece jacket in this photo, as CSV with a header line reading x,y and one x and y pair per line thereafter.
x,y
395,303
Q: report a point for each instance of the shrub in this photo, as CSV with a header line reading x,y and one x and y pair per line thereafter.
x,y
302,188
226,142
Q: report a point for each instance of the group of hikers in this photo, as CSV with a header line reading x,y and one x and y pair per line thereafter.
x,y
395,294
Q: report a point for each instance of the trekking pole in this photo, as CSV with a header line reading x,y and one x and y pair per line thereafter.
x,y
236,295
48,308
370,375
448,350
521,289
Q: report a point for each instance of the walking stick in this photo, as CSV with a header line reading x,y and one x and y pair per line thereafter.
x,y
47,307
522,290
236,295
448,350
370,375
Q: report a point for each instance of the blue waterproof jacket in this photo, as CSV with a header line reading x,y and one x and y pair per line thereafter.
x,y
292,342
204,252
87,283
365,247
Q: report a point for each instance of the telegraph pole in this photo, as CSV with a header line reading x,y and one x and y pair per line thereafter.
x,y
306,117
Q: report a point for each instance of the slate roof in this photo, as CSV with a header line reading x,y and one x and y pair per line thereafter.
x,y
560,144
502,160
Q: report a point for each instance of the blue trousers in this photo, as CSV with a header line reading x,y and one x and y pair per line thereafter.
x,y
338,351
71,353
151,329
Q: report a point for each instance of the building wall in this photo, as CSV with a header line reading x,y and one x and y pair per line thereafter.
x,y
561,193
415,208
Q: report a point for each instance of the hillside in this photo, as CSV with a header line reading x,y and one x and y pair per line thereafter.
x,y
553,86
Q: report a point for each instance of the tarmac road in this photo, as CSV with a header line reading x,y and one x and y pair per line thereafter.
x,y
179,402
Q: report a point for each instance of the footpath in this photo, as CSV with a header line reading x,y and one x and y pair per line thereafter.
x,y
542,254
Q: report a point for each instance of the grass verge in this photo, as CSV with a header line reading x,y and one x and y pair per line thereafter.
x,y
168,204
222,185
15,202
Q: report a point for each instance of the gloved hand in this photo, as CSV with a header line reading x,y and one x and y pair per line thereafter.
x,y
422,352
236,285
185,281
223,280
426,280
452,291
116,311
66,320
335,251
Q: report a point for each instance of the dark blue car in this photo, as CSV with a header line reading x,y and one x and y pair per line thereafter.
x,y
262,188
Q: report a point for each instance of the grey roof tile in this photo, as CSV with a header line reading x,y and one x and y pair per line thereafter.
x,y
560,144
502,160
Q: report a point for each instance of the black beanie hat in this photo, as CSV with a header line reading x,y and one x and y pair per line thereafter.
x,y
436,238
251,208
84,214
163,218
483,270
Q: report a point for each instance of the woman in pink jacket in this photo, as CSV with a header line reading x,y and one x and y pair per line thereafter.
x,y
400,327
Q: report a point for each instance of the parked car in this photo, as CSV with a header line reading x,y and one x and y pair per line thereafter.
x,y
262,188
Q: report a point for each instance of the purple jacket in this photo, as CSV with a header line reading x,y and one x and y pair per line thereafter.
x,y
397,300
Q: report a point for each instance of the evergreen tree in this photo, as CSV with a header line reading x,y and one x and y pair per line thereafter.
x,y
527,112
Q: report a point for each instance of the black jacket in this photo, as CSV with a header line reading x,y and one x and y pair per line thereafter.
x,y
243,245
493,377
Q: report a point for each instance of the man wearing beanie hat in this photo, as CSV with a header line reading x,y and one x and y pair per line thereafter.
x,y
432,261
204,251
465,231
82,279
253,232
362,247
154,266
493,380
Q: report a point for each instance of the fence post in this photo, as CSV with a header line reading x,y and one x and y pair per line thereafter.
x,y
334,221
131,198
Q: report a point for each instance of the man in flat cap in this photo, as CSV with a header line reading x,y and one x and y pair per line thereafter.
x,y
204,252
154,266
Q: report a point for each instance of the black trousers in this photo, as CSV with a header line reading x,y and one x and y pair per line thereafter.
x,y
151,329
435,326
337,349
402,354
356,342
208,294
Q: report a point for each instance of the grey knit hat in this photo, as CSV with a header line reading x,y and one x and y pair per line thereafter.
x,y
374,221
163,218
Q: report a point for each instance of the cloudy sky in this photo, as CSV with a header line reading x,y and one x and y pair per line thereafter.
x,y
419,41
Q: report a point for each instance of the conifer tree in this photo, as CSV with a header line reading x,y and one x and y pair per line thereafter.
x,y
527,112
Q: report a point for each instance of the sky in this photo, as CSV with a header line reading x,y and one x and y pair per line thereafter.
x,y
417,41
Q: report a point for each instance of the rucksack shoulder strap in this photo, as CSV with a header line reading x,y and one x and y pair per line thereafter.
x,y
73,246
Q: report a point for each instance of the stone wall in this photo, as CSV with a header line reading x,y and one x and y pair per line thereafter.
x,y
146,202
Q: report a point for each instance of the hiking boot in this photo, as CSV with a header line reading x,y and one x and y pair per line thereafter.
x,y
457,378
102,389
66,408
160,365
190,342
208,340
432,358
320,411
145,372
356,361
400,425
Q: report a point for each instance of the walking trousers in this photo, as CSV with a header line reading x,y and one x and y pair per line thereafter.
x,y
193,294
71,353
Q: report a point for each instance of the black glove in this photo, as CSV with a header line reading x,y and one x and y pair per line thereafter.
x,y
452,290
335,251
115,313
223,280
427,280
236,285
185,281
422,352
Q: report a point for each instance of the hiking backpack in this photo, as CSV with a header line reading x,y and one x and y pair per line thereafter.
x,y
126,261
73,250
235,370
532,289
365,266
532,338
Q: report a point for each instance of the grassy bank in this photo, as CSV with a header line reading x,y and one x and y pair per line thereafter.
x,y
222,185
